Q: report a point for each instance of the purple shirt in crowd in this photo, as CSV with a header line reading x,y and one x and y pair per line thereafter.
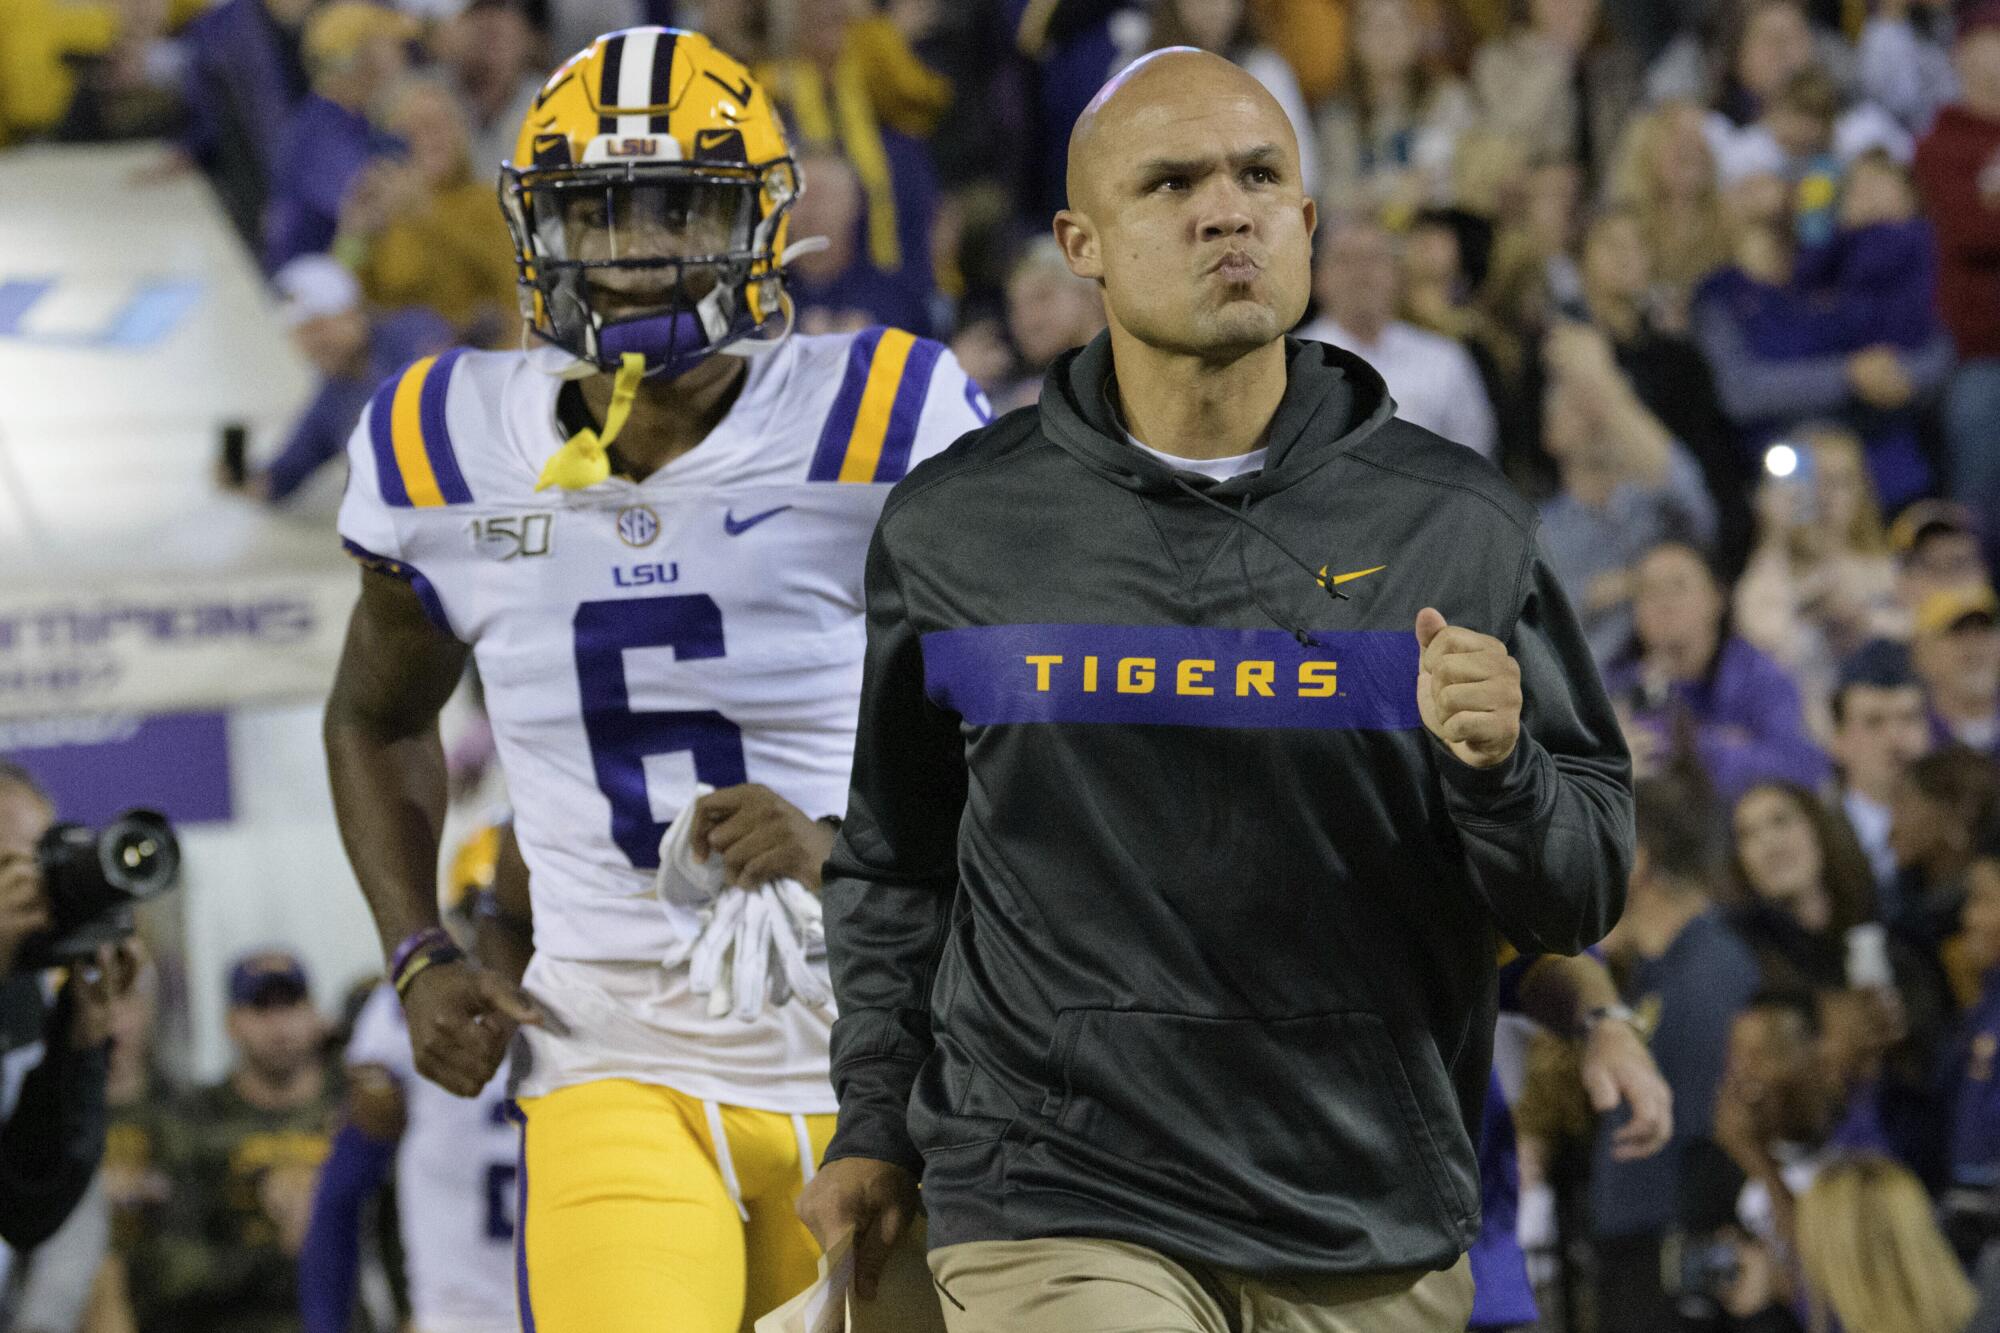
x,y
1749,726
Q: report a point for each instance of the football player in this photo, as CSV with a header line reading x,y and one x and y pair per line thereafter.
x,y
650,529
455,1160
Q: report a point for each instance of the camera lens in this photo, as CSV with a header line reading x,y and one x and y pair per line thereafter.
x,y
139,854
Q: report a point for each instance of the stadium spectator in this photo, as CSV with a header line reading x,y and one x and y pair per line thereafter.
x,y
1781,358
130,90
1946,810
1958,171
1070,48
240,1159
1445,256
1775,44
1956,652
493,56
1665,174
52,1121
1311,36
1820,583
1560,82
1625,486
1871,1253
1878,275
244,75
1687,973
1936,545
1903,60
422,230
1224,27
1049,311
1783,1111
1880,727
353,355
839,288
1798,884
1387,142
1433,379
1804,900
852,83
354,52
1665,369
1691,689
1974,1154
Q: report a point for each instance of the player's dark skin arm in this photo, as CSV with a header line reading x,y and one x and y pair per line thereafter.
x,y
506,931
387,768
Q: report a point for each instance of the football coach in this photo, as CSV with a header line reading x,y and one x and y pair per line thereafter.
x,y
1216,728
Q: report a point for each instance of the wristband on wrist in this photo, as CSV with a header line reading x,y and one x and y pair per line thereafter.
x,y
424,949
1613,1013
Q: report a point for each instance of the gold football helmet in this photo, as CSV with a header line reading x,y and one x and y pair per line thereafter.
x,y
647,197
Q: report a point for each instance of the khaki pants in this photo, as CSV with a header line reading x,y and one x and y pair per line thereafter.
x,y
1074,1285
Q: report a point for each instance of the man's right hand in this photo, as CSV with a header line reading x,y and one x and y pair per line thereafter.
x,y
462,1017
24,906
872,1200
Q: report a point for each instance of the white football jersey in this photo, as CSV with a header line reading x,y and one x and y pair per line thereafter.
x,y
634,638
456,1183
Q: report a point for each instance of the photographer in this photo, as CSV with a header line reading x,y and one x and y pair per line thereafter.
x,y
52,1135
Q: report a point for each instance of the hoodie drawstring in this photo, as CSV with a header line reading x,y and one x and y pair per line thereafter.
x,y
1242,515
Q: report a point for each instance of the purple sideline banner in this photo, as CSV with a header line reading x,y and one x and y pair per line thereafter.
x,y
98,767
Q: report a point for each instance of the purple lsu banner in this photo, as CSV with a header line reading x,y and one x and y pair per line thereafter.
x,y
1176,676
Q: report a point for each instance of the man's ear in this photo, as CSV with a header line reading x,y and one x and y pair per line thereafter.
x,y
1078,239
1312,216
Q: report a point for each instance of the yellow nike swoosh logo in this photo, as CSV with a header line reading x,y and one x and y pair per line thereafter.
x,y
1339,579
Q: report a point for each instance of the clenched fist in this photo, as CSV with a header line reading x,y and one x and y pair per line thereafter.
x,y
1468,690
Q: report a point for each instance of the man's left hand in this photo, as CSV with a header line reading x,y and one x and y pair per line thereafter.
x,y
1618,1069
760,837
1468,690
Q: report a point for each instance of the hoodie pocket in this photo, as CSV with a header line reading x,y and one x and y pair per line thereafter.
x,y
1279,1115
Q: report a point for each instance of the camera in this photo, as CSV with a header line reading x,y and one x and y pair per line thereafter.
x,y
94,878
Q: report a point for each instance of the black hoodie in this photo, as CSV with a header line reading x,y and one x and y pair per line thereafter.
x,y
1157,915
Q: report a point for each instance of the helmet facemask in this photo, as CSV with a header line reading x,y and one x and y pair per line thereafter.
x,y
671,260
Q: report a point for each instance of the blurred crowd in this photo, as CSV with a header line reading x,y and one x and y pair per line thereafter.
x,y
1715,282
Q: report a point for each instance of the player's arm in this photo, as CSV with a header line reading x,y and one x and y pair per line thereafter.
x,y
386,762
1577,995
363,1150
504,918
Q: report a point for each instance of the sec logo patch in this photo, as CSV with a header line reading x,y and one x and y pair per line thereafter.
x,y
638,526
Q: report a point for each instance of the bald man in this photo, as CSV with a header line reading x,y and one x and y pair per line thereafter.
x,y
1216,728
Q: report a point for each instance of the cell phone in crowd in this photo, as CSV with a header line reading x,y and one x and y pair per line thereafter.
x,y
235,446
1868,957
1789,463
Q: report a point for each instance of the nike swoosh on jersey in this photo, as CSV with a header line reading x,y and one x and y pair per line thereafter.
x,y
1339,579
736,527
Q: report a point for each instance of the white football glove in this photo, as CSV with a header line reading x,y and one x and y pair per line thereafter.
x,y
708,964
792,941
681,880
756,948
752,954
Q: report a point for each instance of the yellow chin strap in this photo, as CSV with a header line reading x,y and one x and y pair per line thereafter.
x,y
582,462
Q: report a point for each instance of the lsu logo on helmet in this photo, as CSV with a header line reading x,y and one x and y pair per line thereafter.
x,y
647,197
